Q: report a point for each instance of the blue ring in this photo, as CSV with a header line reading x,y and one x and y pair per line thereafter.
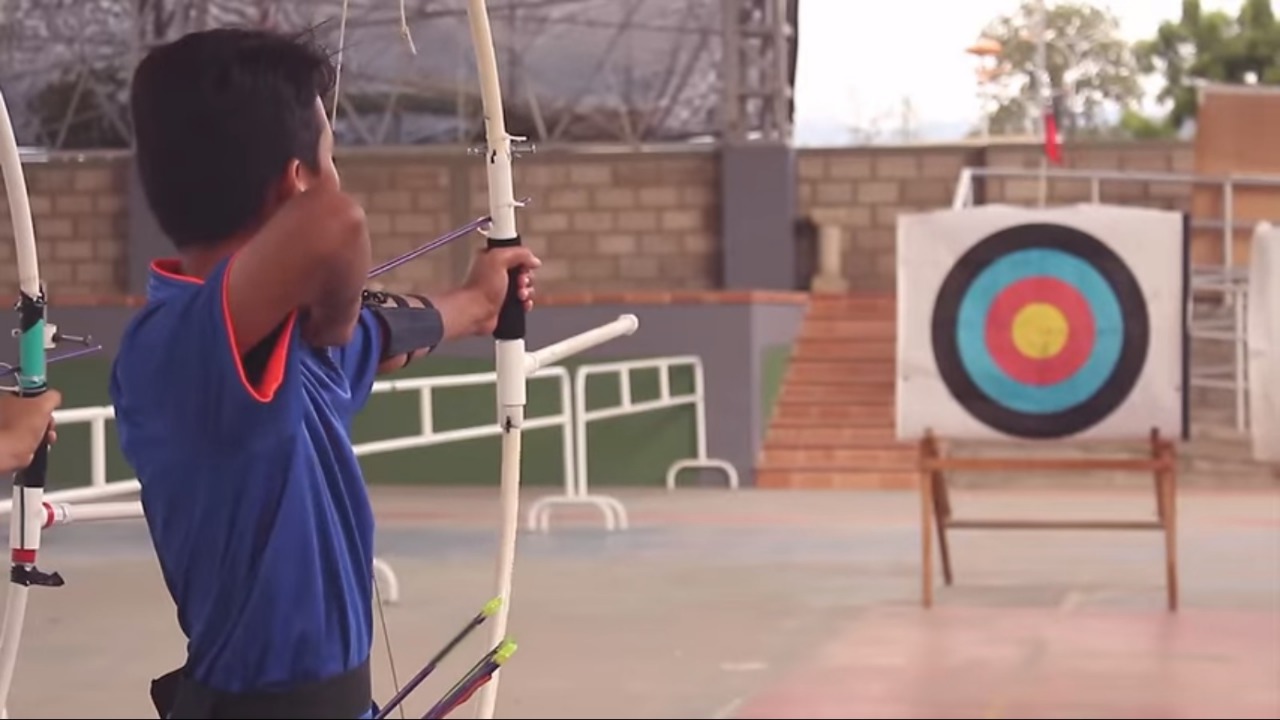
x,y
971,320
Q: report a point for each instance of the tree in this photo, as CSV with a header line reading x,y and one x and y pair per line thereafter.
x,y
1211,46
1092,70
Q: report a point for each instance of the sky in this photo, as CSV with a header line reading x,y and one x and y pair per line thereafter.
x,y
859,58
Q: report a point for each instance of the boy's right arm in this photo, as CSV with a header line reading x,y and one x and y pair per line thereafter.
x,y
313,254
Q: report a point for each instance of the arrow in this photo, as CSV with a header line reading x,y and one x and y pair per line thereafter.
x,y
489,609
477,677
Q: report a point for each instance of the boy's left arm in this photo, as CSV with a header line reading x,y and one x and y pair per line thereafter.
x,y
413,325
396,329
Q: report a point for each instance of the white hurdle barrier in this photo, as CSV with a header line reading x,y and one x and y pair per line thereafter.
x,y
428,435
614,511
385,576
627,406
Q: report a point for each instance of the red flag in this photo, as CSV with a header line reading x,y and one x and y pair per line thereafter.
x,y
1052,138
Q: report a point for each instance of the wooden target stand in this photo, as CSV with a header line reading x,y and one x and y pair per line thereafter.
x,y
936,515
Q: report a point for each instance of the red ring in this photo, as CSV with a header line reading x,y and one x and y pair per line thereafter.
x,y
1080,330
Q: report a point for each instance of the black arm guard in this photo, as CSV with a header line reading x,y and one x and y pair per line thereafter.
x,y
405,329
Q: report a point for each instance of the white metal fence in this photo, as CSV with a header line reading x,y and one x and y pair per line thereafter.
x,y
1218,292
571,418
613,511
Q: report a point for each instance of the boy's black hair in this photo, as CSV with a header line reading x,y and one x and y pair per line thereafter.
x,y
217,116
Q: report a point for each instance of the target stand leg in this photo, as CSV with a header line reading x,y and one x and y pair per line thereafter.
x,y
1166,511
936,513
928,452
935,510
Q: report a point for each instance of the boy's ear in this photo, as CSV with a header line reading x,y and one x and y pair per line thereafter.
x,y
296,178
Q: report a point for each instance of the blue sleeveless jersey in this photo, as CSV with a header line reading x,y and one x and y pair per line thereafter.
x,y
254,499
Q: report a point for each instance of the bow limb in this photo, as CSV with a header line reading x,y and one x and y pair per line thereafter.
x,y
509,334
27,516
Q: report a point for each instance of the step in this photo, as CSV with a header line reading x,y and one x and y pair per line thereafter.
x,y
858,415
805,479
841,458
841,371
845,349
861,328
872,423
823,393
827,436
862,301
807,377
849,312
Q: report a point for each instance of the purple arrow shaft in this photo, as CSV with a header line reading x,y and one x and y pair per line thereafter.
x,y
445,239
10,370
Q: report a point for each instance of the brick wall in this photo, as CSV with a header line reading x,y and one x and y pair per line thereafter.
x,y
80,224
604,221
620,221
864,189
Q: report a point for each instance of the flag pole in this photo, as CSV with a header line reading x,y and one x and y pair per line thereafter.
x,y
1044,94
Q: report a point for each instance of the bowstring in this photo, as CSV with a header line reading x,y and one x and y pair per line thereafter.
x,y
333,122
404,30
386,640
337,74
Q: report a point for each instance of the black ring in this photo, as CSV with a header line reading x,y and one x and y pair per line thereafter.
x,y
1093,409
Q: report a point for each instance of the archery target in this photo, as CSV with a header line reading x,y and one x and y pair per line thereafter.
x,y
1263,342
1040,324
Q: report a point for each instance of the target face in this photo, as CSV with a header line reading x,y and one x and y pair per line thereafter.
x,y
1040,331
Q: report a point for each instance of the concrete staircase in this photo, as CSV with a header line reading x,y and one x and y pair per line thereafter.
x,y
832,425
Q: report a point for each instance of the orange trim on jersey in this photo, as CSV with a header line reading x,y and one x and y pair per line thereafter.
x,y
273,373
172,269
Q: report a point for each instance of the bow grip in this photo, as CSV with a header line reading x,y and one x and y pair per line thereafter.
x,y
34,474
511,315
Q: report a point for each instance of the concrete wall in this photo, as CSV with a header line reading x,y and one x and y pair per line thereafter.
x,y
605,221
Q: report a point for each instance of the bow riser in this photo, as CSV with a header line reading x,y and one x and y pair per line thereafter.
x,y
509,335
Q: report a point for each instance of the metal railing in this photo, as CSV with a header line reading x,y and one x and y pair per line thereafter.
x,y
571,419
1218,294
72,503
428,435
666,398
